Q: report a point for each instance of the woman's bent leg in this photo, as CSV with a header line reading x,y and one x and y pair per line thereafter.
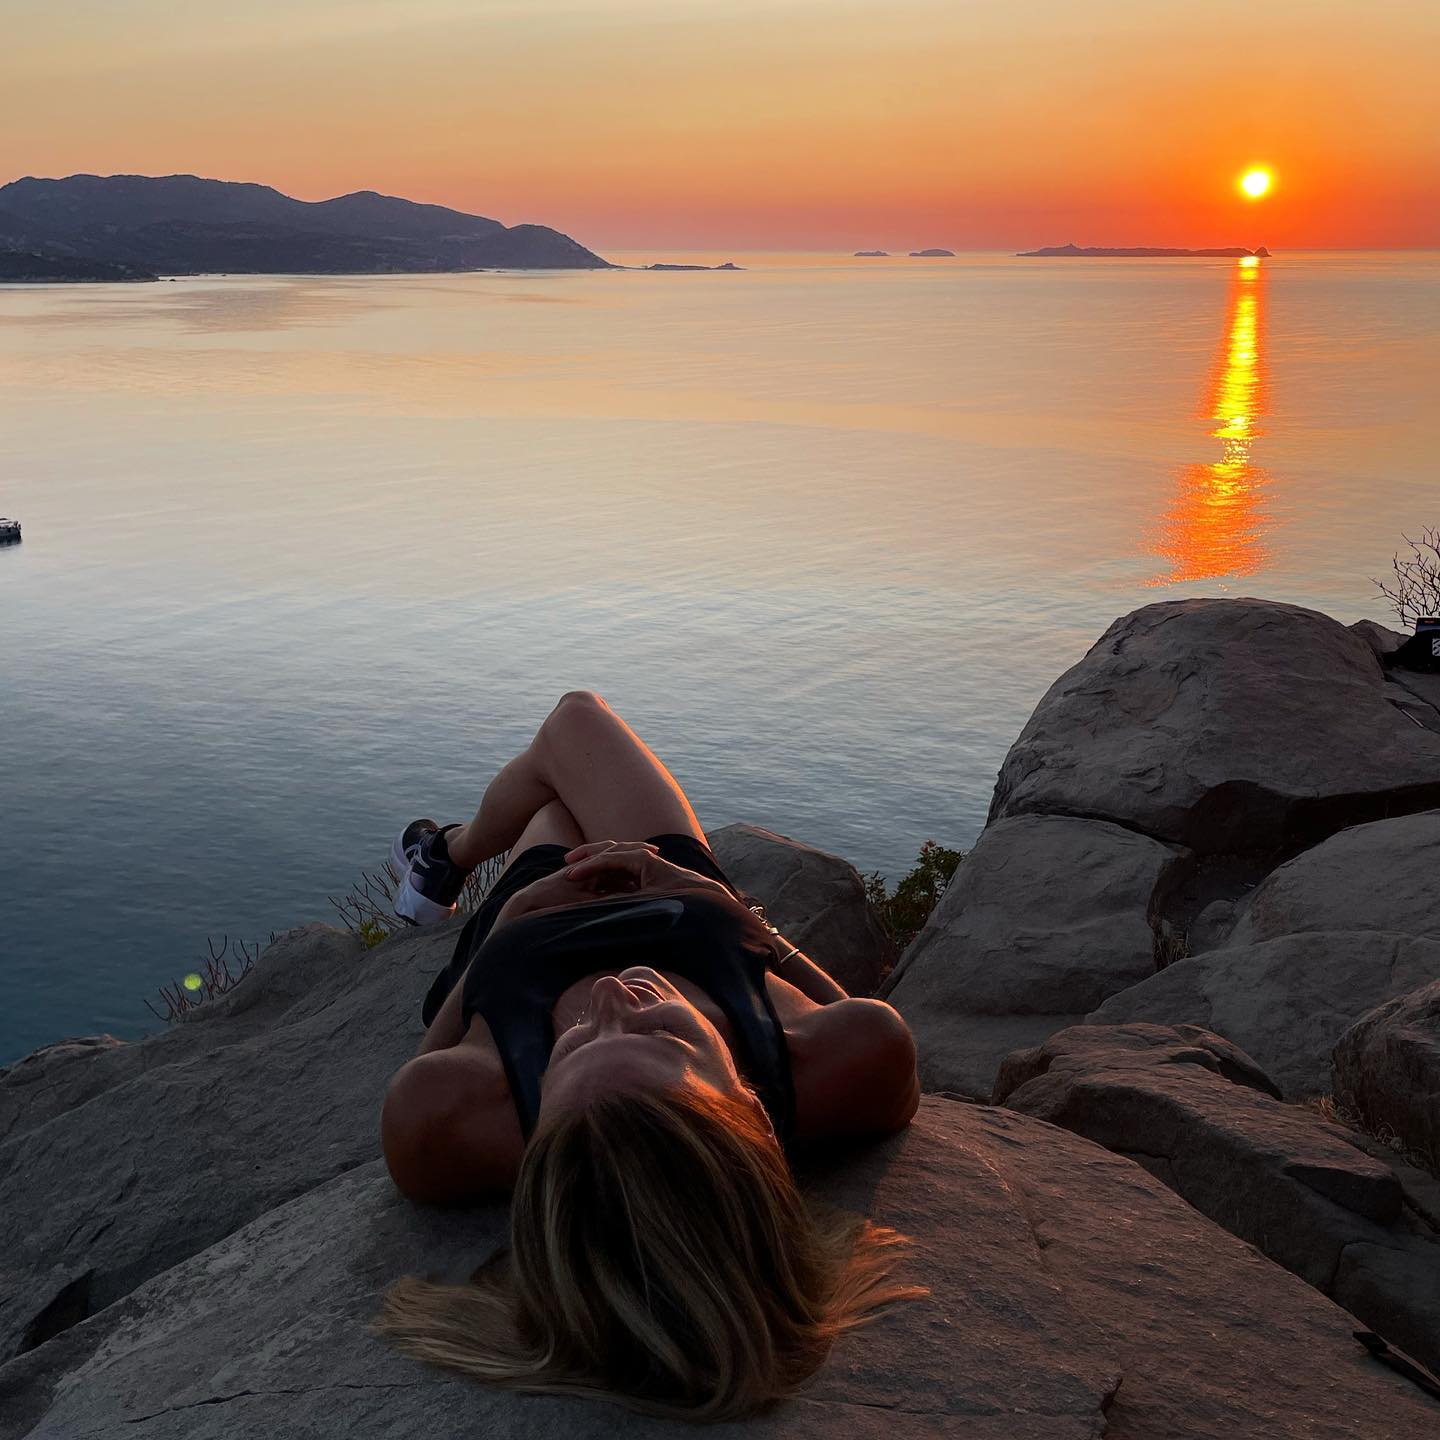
x,y
587,757
512,799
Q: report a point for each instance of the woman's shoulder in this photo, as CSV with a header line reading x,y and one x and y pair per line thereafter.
x,y
854,1067
449,1129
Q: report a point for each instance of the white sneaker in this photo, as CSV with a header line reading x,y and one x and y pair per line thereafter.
x,y
430,883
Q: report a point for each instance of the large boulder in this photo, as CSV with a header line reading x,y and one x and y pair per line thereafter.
x,y
1071,1295
1387,1068
1201,1116
1285,1001
816,900
1381,876
1224,726
1046,918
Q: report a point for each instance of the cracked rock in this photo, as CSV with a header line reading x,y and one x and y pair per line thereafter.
x,y
1196,1112
1285,1001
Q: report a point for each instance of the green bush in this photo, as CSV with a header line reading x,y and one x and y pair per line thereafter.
x,y
904,911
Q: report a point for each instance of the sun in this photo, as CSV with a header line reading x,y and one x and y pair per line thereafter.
x,y
1256,183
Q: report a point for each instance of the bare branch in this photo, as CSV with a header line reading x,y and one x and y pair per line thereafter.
x,y
1414,589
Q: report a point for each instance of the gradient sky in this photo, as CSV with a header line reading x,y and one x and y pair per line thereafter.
x,y
764,124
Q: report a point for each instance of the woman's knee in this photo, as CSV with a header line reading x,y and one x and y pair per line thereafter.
x,y
581,700
576,713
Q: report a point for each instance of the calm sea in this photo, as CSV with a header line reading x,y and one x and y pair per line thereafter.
x,y
305,558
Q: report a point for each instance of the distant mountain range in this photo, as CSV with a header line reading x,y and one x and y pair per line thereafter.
x,y
1129,252
112,227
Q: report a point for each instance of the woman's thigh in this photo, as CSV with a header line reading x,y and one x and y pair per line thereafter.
x,y
551,824
609,779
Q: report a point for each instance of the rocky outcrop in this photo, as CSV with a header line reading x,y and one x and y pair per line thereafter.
x,y
1222,739
184,225
1224,726
191,1134
1047,917
1285,1001
195,1229
816,900
1387,1068
1071,1295
1202,1117
1381,876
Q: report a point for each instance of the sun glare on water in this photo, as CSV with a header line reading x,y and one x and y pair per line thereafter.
x,y
1255,183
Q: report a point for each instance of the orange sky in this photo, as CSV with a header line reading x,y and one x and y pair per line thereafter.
x,y
784,124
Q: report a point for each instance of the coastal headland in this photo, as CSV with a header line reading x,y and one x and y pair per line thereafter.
x,y
138,227
1197,933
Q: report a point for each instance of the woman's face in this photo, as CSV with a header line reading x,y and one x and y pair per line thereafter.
x,y
639,1033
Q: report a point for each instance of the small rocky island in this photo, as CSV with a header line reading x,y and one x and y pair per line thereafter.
x,y
1138,252
859,254
1178,1021
728,265
934,253
138,227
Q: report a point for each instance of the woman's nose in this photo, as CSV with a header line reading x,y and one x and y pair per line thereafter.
x,y
610,998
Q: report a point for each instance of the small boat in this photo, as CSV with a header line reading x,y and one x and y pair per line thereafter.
x,y
9,531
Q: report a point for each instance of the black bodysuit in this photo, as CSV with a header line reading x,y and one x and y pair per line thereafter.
x,y
519,972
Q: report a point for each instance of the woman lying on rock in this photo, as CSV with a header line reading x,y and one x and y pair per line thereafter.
x,y
661,1254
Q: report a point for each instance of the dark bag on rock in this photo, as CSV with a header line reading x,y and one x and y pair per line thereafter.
x,y
1422,650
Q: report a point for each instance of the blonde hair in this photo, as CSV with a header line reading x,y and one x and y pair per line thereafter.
x,y
661,1256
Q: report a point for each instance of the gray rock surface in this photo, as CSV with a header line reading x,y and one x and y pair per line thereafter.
x,y
1380,638
1387,1068
815,899
55,1077
1397,1295
1222,725
1210,929
1072,1295
1035,1080
1285,1001
1198,1114
1417,693
184,1137
1046,918
1381,876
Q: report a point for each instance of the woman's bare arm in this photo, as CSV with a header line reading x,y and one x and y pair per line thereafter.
x,y
448,1027
799,970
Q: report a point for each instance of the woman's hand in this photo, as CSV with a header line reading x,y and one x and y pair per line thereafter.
x,y
590,881
631,865
547,893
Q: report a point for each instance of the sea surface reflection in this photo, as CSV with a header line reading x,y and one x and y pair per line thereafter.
x,y
306,556
1217,522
